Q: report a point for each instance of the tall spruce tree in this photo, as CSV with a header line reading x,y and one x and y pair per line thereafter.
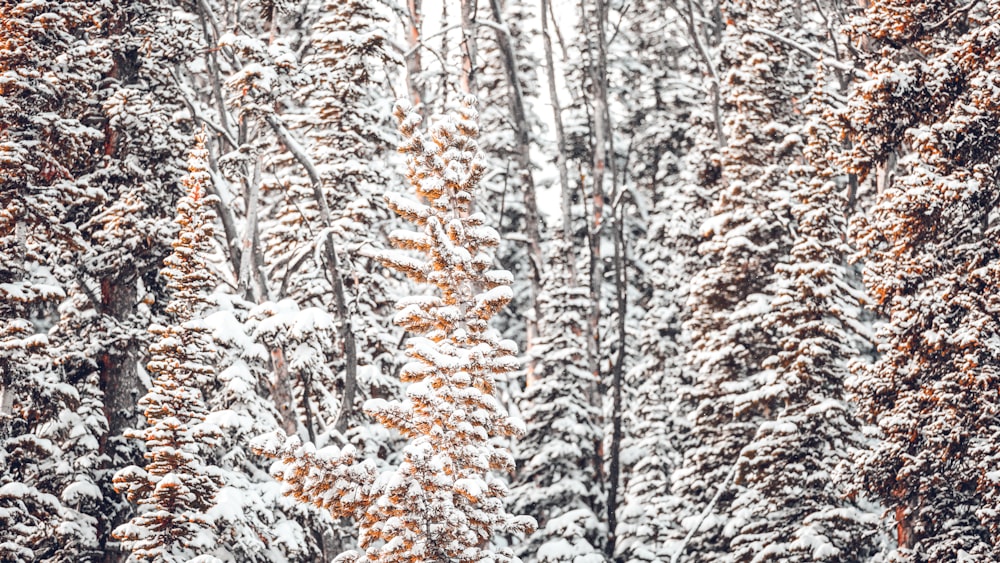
x,y
60,144
656,80
176,488
931,266
558,466
791,506
748,236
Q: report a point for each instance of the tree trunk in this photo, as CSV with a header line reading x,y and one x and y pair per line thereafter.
x,y
617,377
601,160
526,179
550,73
333,269
414,65
469,48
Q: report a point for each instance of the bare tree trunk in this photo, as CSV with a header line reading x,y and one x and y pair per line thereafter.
x,y
550,73
598,166
469,48
214,72
617,375
6,398
250,235
281,391
602,160
414,65
118,365
526,179
691,21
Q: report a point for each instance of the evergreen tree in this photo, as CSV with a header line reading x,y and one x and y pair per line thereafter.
x,y
791,506
441,502
658,430
100,337
748,236
177,487
655,76
53,424
558,463
931,264
255,522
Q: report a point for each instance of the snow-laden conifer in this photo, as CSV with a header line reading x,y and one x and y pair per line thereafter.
x,y
558,465
656,77
747,235
177,487
791,506
451,414
443,501
932,261
658,430
254,521
344,123
52,423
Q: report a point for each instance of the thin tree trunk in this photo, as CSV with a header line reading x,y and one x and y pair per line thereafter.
x,y
601,161
617,377
249,240
469,48
333,267
281,391
522,137
414,64
599,164
550,73
225,214
214,72
720,134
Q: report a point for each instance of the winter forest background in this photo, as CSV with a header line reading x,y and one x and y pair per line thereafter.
x,y
281,279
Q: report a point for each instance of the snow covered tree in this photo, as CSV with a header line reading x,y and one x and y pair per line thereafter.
x,y
345,124
442,502
451,414
176,487
931,267
656,78
790,506
748,236
558,464
254,521
55,147
657,433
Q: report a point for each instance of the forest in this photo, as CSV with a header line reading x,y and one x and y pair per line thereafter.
x,y
498,281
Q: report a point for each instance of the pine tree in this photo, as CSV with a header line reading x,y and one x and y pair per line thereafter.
x,y
176,487
441,502
51,423
658,430
748,235
100,336
558,464
791,505
655,76
254,521
931,266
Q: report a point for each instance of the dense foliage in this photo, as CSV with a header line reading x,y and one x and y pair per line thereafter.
x,y
733,263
